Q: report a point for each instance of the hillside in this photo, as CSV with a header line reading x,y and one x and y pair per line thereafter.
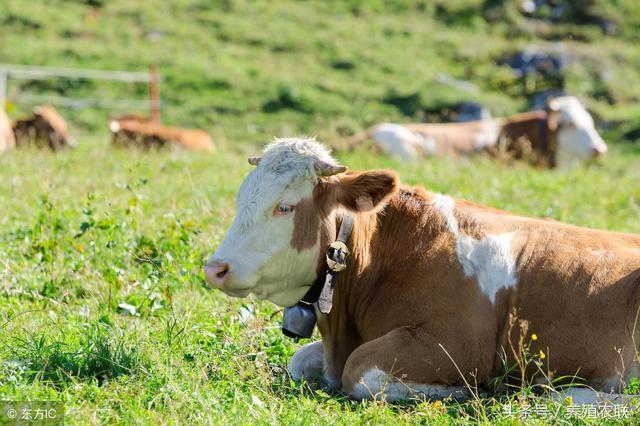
x,y
249,70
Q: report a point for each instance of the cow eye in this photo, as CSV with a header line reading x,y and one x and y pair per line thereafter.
x,y
283,209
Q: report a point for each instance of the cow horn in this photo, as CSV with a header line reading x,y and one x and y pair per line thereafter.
x,y
326,169
254,161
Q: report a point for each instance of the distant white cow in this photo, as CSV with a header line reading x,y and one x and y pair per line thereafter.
x,y
562,136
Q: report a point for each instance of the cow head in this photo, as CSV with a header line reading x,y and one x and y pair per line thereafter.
x,y
286,214
577,138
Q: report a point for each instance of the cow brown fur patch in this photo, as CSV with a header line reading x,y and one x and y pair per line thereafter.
x,y
405,293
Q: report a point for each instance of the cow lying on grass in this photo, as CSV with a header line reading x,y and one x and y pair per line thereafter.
x,y
7,140
44,129
562,136
137,131
430,281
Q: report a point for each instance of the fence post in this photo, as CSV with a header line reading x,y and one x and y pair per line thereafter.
x,y
155,95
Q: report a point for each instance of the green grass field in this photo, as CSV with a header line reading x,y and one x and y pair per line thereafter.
x,y
85,230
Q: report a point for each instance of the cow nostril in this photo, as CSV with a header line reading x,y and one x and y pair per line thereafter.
x,y
216,273
223,271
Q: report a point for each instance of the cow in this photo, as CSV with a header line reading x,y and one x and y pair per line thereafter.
x,y
564,135
7,139
45,128
433,284
136,130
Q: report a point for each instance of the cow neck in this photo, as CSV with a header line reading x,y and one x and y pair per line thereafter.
x,y
321,292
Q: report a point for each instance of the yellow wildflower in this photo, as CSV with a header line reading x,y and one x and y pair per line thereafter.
x,y
542,355
534,336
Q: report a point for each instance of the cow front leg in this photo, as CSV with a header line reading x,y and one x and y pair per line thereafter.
x,y
403,364
308,362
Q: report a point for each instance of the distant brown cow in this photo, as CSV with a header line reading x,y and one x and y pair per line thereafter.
x,y
562,136
137,131
7,140
45,128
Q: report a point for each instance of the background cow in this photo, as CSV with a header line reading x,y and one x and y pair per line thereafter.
x,y
44,129
434,285
563,135
7,140
137,131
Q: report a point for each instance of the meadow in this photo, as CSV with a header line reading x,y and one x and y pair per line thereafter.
x,y
102,298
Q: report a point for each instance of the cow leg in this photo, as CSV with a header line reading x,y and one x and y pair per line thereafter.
x,y
403,364
308,362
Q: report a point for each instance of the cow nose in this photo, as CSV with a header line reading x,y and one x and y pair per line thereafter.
x,y
597,152
216,273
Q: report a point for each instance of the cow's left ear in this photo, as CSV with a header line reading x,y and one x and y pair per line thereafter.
x,y
366,191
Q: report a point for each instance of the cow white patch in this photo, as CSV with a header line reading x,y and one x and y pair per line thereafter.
x,y
427,144
307,363
376,384
445,205
398,141
489,259
488,135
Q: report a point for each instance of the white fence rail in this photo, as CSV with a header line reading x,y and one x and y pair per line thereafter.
x,y
28,72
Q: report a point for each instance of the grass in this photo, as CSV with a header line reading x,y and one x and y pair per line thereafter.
x,y
88,229
84,231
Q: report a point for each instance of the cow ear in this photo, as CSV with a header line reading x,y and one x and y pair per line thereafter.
x,y
368,190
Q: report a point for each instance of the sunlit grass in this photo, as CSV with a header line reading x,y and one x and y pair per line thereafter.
x,y
85,230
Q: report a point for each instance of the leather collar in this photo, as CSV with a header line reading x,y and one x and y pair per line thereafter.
x,y
321,292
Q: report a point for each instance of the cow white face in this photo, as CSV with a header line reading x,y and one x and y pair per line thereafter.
x,y
273,246
578,140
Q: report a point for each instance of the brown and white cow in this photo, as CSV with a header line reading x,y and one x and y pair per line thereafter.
x,y
562,136
137,131
430,280
7,140
45,129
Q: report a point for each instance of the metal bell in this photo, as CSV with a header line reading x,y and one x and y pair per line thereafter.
x,y
298,321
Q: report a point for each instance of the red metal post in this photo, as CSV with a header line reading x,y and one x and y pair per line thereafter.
x,y
154,93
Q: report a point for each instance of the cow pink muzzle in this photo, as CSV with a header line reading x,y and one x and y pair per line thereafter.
x,y
216,273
